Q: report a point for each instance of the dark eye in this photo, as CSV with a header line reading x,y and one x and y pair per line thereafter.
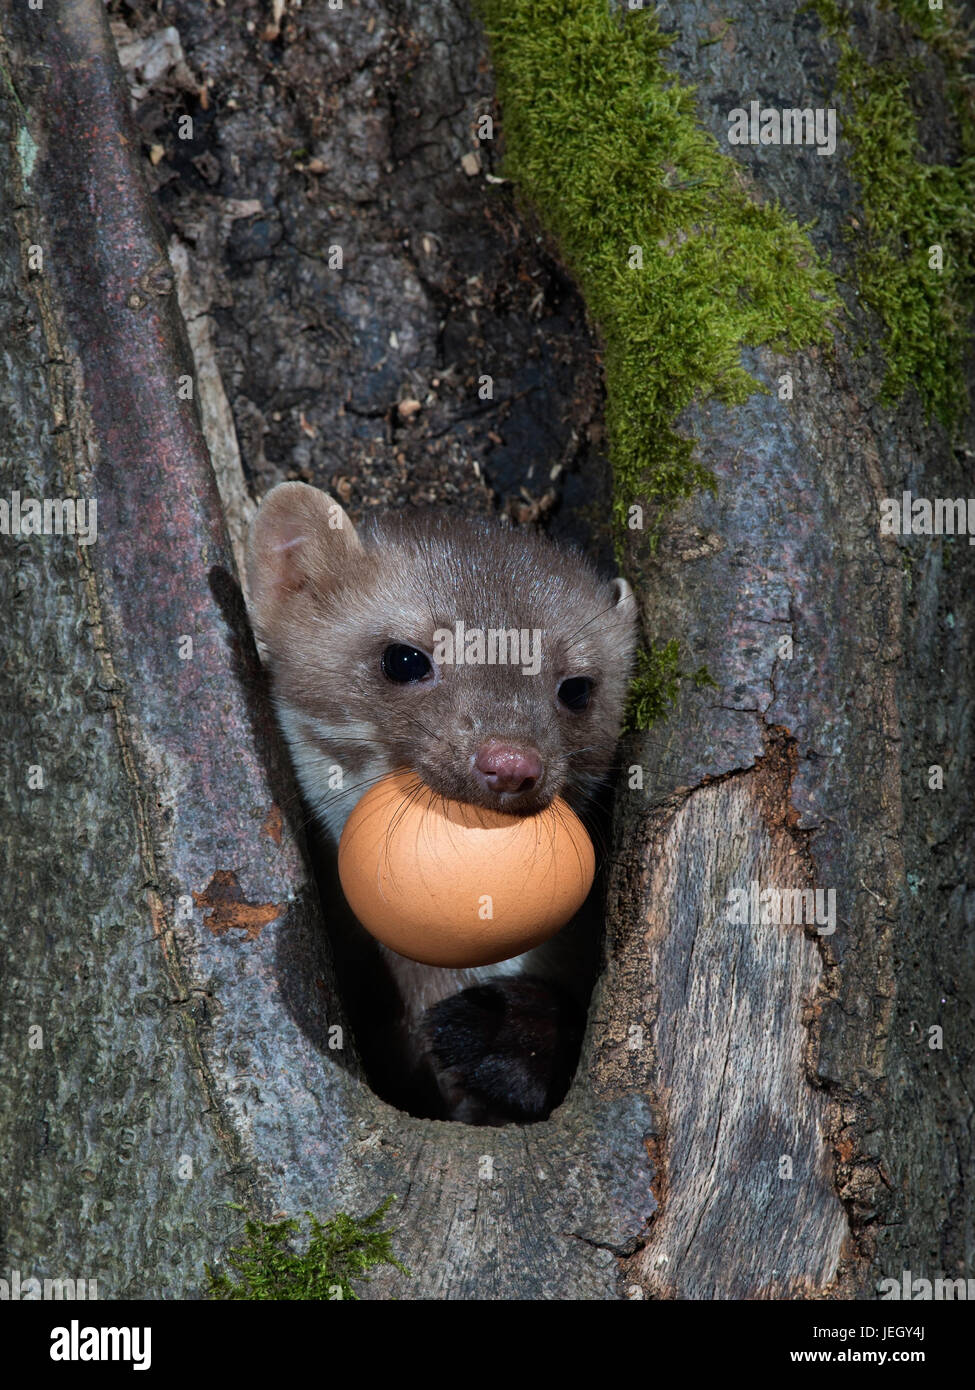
x,y
404,664
576,692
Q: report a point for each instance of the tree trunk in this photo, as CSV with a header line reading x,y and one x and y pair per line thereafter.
x,y
757,1112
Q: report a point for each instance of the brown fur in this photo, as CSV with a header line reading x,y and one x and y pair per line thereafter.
x,y
326,601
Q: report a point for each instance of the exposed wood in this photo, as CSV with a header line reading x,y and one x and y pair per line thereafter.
x,y
748,1208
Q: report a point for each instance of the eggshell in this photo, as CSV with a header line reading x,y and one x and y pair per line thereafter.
x,y
446,883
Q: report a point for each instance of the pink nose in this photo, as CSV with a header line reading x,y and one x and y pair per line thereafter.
x,y
500,767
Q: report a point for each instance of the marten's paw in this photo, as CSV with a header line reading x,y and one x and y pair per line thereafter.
x,y
503,1052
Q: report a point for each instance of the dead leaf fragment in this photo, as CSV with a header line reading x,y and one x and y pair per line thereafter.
x,y
230,909
273,823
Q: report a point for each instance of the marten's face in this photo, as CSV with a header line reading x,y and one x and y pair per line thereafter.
x,y
490,662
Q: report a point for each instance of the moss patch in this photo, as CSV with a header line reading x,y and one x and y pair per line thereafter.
x,y
268,1267
939,28
679,266
656,684
907,206
605,143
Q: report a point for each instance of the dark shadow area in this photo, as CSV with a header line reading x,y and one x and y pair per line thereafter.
x,y
369,381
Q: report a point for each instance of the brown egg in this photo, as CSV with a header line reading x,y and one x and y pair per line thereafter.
x,y
450,884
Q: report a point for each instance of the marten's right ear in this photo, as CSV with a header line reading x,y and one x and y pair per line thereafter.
x,y
300,539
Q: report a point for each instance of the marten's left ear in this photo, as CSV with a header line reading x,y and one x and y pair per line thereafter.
x,y
626,615
300,541
622,592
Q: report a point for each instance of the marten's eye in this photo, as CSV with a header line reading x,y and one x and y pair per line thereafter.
x,y
404,664
576,692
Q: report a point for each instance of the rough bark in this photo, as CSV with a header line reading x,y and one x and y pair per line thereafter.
x,y
160,896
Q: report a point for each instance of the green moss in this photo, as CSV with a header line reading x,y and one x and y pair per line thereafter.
x,y
907,206
939,28
338,1251
679,265
656,684
606,144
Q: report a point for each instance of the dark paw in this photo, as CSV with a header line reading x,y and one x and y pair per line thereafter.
x,y
504,1051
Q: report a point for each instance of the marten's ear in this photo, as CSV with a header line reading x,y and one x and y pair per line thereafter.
x,y
626,612
622,593
300,539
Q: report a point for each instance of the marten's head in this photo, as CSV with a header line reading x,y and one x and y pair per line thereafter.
x,y
492,662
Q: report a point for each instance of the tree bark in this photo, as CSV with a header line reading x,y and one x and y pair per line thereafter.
x,y
161,929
